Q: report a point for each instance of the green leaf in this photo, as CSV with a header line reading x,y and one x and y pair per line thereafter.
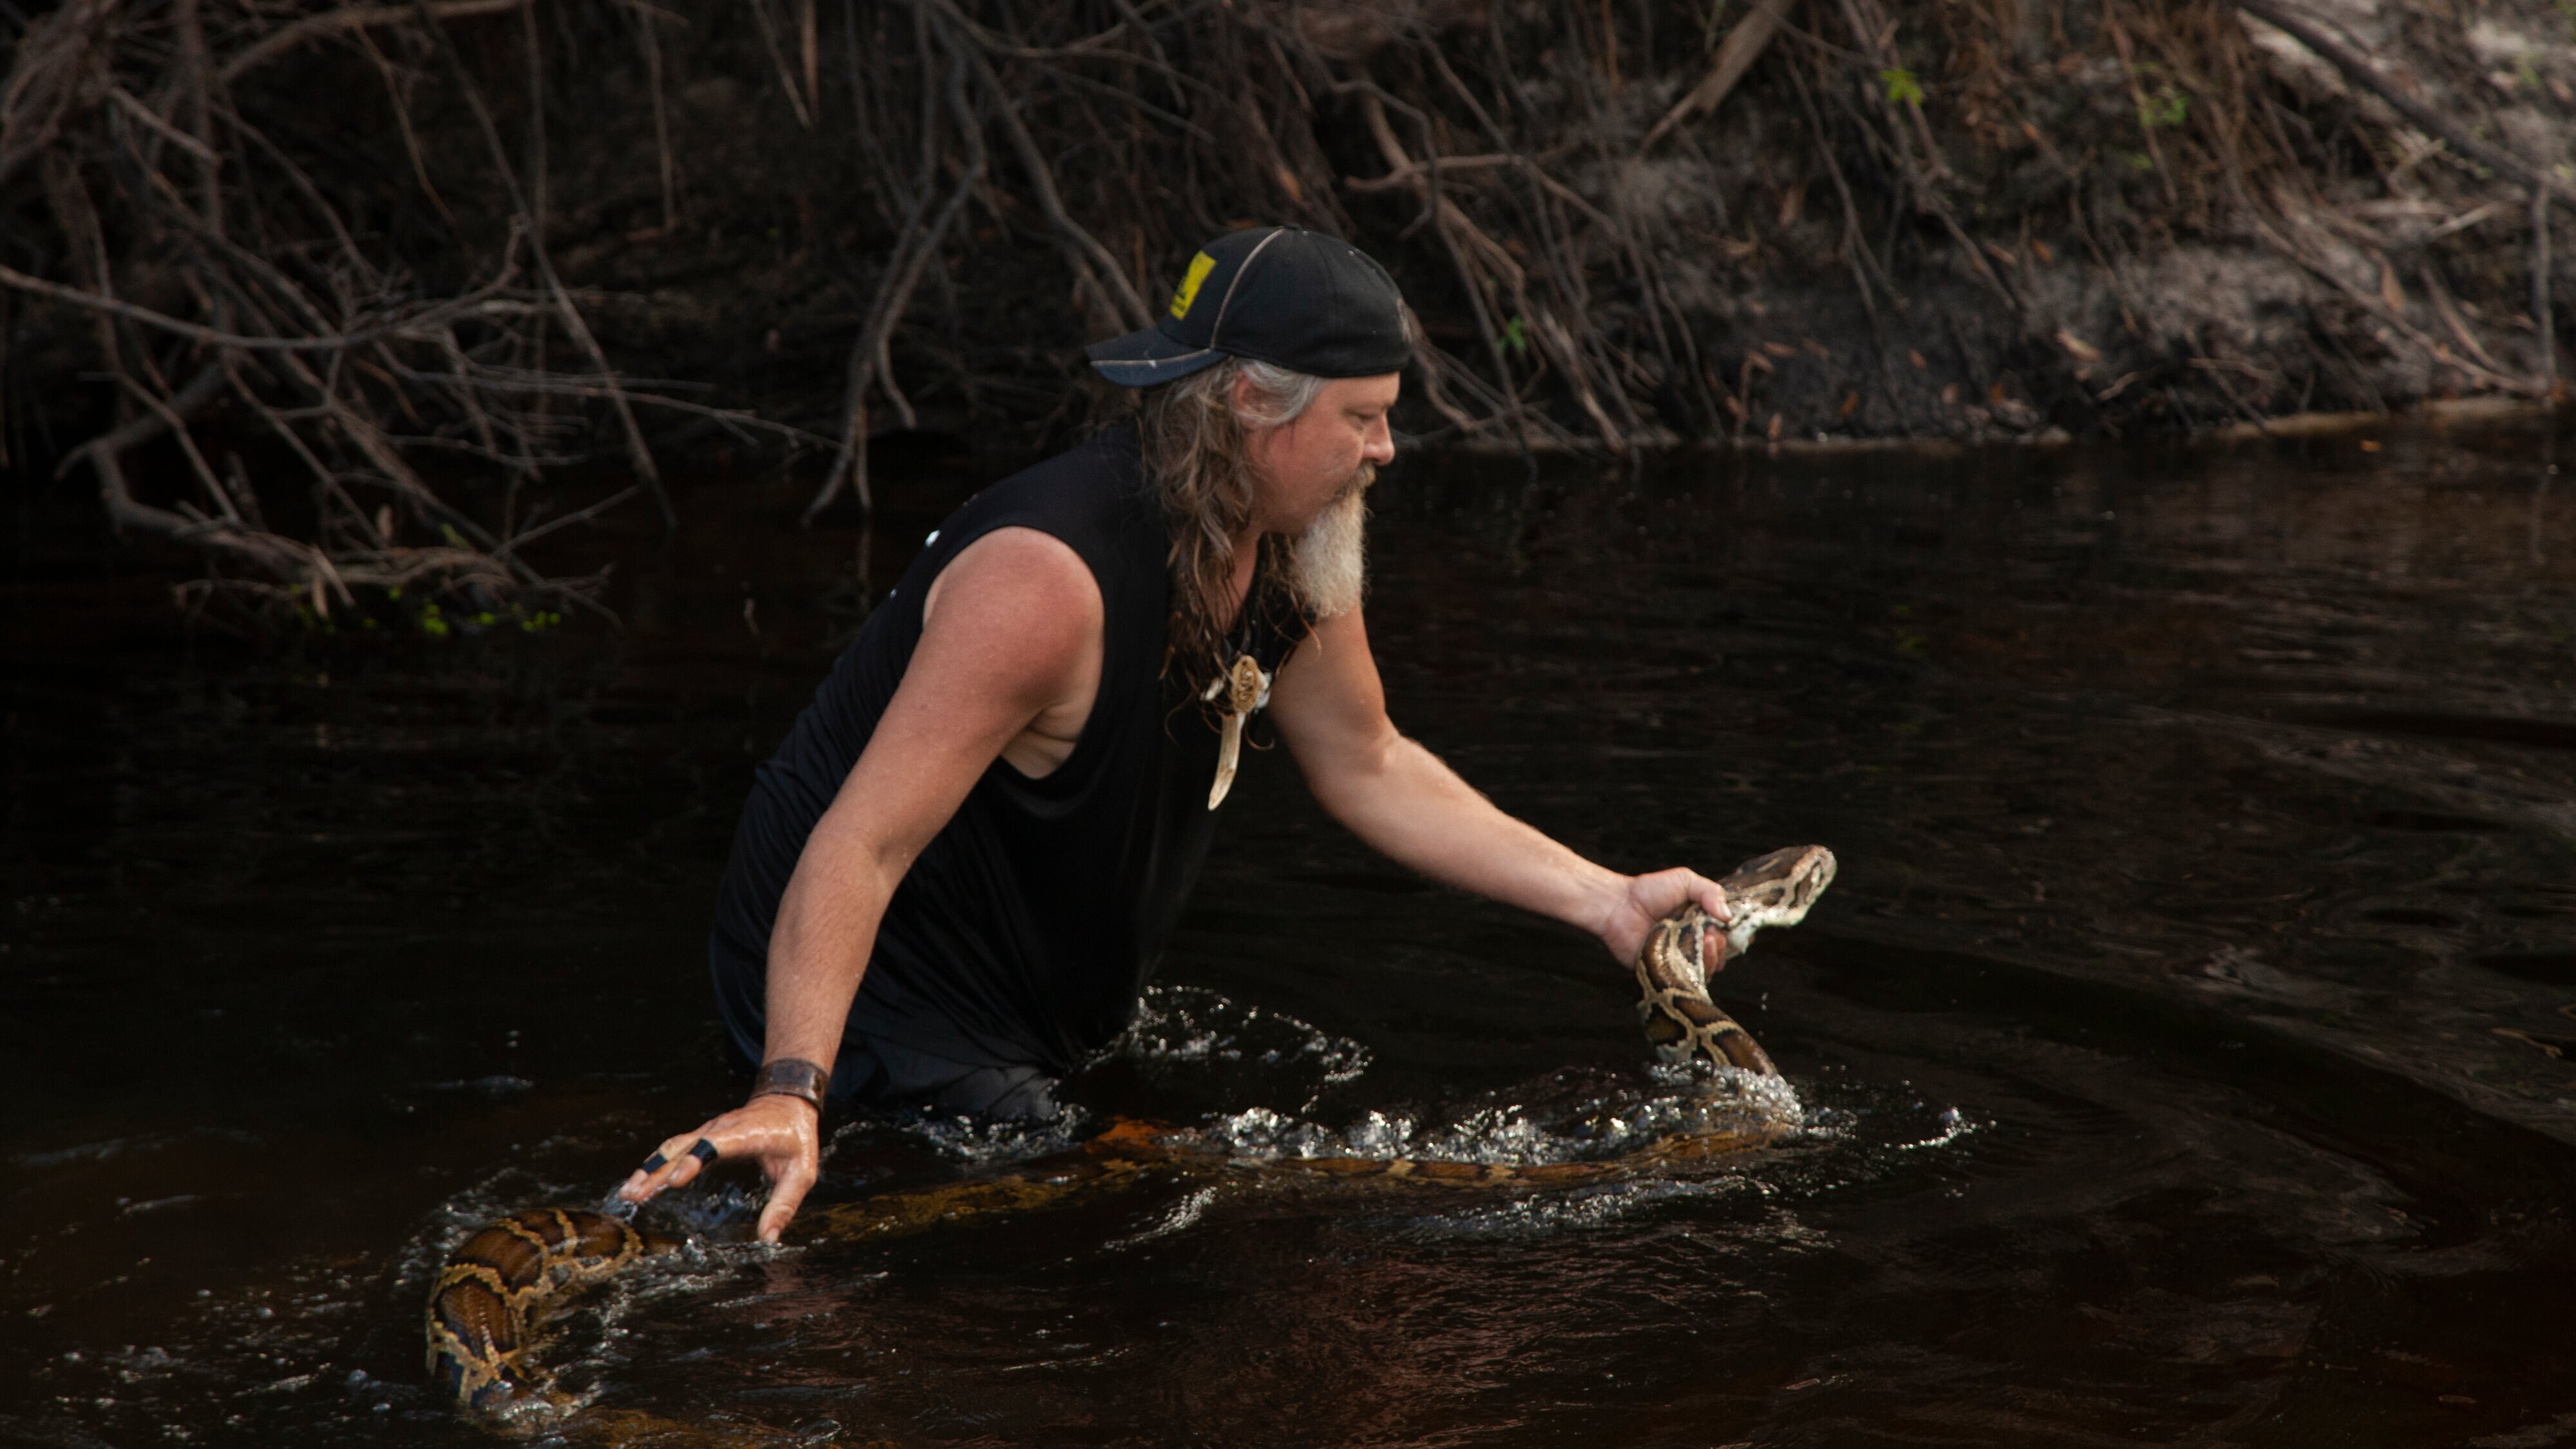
x,y
2167,107
1902,87
1516,336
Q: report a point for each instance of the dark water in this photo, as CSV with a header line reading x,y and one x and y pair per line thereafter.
x,y
2182,1056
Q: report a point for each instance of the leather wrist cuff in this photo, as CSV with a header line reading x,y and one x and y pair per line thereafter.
x,y
792,1077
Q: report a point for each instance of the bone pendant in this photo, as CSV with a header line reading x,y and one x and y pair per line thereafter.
x,y
1245,688
1228,755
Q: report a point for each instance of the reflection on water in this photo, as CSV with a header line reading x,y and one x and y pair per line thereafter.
x,y
2186,1054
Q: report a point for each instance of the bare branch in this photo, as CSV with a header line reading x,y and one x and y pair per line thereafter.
x,y
354,17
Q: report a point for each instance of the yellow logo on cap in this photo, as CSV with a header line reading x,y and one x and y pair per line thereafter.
x,y
1200,266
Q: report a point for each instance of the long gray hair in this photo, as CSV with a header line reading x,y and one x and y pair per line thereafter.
x,y
1195,440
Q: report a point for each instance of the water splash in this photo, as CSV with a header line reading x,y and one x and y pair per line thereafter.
x,y
1182,1216
1570,1117
1190,1030
983,1143
1953,1127
1575,1210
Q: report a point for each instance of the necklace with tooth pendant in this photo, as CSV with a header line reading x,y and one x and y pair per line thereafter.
x,y
1246,687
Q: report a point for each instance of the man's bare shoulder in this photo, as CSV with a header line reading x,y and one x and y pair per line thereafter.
x,y
1017,585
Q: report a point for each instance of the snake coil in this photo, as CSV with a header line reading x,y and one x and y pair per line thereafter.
x,y
484,1308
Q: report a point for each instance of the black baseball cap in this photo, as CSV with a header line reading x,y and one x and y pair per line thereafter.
x,y
1277,294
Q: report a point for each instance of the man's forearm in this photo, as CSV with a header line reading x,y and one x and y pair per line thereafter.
x,y
1416,811
819,948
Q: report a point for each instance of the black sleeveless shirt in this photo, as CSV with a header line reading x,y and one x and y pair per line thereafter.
x,y
1024,932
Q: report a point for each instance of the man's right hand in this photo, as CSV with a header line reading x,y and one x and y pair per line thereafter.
x,y
782,1133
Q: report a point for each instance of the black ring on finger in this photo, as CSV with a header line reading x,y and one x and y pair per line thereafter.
x,y
654,1163
704,1151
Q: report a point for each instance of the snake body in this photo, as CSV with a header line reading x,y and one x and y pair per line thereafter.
x,y
1673,968
487,1305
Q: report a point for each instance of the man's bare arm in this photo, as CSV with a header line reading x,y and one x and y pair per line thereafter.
x,y
1399,798
1015,637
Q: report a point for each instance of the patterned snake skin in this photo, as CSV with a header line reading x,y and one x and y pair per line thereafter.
x,y
1673,972
484,1307
488,1302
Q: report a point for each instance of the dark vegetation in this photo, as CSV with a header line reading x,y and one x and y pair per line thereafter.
x,y
341,297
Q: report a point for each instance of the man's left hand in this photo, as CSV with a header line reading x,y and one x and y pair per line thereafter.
x,y
1647,899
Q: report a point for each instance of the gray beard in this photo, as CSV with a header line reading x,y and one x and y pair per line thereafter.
x,y
1328,564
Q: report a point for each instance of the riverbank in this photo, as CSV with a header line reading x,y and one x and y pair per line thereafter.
x,y
550,239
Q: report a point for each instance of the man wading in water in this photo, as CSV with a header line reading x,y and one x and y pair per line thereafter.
x,y
955,877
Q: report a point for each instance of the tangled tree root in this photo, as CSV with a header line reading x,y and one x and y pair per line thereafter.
x,y
1587,205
